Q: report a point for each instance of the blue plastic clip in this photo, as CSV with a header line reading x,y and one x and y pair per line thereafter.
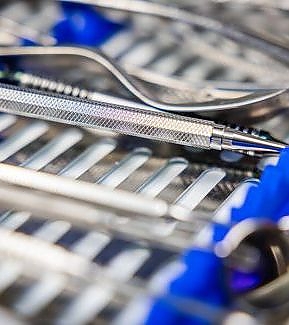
x,y
269,200
203,278
83,25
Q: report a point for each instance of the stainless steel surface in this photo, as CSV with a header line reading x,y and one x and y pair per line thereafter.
x,y
274,98
177,14
130,257
147,124
93,243
220,60
136,122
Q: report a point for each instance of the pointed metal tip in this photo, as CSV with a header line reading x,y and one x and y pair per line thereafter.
x,y
246,142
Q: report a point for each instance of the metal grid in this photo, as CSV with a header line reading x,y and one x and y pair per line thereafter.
x,y
192,179
117,163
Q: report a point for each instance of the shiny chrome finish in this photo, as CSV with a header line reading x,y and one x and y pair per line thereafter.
x,y
141,123
272,248
175,13
258,100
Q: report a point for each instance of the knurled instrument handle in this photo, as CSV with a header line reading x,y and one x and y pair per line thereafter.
x,y
119,118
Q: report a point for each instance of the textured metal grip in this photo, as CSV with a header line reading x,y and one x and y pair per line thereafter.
x,y
122,119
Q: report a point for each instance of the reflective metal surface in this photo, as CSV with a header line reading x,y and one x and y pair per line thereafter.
x,y
93,222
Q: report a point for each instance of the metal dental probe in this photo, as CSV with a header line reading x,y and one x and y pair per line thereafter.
x,y
125,120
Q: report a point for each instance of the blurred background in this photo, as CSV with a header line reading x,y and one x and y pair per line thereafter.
x,y
131,258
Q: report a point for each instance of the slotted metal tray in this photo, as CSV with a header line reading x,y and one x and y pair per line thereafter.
x,y
201,181
196,180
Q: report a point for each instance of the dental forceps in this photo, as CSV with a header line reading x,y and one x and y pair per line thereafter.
x,y
274,99
125,120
